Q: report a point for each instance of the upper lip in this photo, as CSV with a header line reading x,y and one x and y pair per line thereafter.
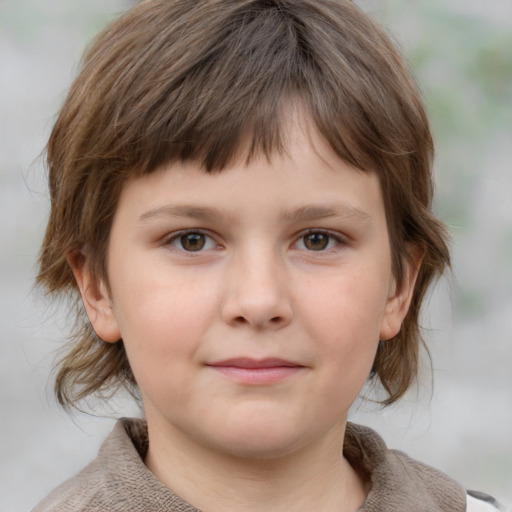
x,y
250,363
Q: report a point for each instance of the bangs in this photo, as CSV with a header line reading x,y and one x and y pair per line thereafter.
x,y
213,81
219,91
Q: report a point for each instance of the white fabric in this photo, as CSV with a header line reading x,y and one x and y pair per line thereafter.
x,y
475,505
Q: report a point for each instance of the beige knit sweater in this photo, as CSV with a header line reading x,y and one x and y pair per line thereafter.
x,y
117,480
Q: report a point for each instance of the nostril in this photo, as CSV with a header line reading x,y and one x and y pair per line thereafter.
x,y
260,314
240,320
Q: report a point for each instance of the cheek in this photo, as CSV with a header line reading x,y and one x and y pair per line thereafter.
x,y
160,346
161,323
348,307
344,319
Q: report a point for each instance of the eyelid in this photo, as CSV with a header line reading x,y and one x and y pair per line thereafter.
x,y
342,240
168,240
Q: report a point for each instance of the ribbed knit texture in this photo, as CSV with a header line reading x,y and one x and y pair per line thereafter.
x,y
399,483
117,480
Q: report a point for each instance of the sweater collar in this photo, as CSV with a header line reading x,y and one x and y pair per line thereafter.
x,y
398,483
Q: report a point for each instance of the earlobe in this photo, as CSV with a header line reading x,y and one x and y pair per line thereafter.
x,y
96,299
401,295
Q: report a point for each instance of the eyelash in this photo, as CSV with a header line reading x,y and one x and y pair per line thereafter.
x,y
209,240
176,237
331,237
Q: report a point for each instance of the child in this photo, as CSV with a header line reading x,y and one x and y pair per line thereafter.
x,y
241,198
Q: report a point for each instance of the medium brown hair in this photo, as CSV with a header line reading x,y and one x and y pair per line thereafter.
x,y
179,80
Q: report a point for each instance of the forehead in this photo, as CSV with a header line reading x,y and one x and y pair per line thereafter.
x,y
304,181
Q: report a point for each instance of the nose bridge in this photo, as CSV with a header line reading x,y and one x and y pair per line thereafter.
x,y
258,293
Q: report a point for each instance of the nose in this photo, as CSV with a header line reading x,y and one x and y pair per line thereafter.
x,y
257,292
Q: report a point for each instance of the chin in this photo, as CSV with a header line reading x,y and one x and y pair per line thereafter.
x,y
260,449
260,441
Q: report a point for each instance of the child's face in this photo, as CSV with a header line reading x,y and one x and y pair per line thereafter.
x,y
251,302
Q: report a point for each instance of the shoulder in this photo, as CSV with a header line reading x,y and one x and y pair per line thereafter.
x,y
398,479
98,486
86,491
83,492
117,480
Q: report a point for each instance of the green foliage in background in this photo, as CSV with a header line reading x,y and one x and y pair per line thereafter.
x,y
461,53
462,57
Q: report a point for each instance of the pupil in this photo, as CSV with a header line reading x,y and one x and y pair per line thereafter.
x,y
192,241
316,241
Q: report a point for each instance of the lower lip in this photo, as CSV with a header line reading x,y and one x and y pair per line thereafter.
x,y
258,376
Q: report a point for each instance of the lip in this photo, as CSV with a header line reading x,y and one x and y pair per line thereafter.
x,y
246,370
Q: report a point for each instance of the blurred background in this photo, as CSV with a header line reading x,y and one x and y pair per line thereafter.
x,y
461,52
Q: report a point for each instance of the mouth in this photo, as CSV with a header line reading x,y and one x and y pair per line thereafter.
x,y
250,371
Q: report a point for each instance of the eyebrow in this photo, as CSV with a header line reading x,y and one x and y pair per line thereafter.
x,y
195,212
301,214
337,209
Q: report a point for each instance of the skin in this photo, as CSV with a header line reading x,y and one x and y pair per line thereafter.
x,y
296,265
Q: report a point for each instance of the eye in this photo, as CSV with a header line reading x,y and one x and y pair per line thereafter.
x,y
317,241
192,241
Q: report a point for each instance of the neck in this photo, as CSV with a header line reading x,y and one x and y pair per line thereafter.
x,y
313,477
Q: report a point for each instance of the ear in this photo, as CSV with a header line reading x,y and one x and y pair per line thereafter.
x,y
401,294
96,299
